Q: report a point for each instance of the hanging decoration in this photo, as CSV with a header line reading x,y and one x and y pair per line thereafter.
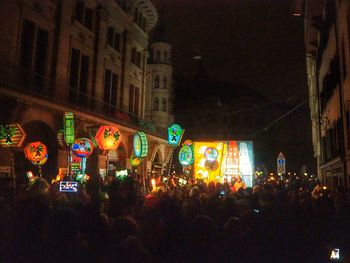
x,y
186,155
140,143
11,135
108,137
175,133
82,147
35,152
68,124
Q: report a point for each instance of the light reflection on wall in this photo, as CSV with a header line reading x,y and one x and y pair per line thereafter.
x,y
235,158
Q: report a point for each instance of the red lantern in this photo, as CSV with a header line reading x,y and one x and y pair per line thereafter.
x,y
108,137
35,152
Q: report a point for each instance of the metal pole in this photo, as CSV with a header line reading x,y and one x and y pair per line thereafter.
x,y
69,161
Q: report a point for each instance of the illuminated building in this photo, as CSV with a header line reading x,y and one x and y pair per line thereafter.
x,y
327,29
87,57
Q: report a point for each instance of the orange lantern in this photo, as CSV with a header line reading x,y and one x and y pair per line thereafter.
x,y
108,137
35,152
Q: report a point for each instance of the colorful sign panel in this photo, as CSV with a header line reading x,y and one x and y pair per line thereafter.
x,y
175,133
108,137
35,152
140,144
281,163
82,147
234,158
11,135
186,155
68,124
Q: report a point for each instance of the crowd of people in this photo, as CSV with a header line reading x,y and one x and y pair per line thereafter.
x,y
275,221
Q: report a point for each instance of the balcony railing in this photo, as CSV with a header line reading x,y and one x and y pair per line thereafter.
x,y
27,82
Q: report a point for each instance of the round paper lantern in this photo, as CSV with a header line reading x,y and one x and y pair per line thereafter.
x,y
186,155
211,154
82,147
140,144
108,137
35,151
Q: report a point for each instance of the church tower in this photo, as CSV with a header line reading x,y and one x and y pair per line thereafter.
x,y
159,101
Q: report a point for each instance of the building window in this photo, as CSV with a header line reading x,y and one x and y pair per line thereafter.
x,y
157,55
165,82
156,82
165,56
113,39
163,104
83,14
138,59
155,104
110,87
134,99
133,55
34,52
79,75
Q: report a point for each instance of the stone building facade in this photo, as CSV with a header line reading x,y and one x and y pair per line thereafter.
x,y
327,31
88,57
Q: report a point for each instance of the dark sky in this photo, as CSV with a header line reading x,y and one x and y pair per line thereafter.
x,y
255,42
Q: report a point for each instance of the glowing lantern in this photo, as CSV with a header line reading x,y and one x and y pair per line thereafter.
x,y
186,155
175,133
35,152
11,135
211,154
140,144
82,147
134,161
68,123
108,137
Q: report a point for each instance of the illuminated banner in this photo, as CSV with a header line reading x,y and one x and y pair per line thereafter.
x,y
140,144
175,133
68,123
217,161
11,135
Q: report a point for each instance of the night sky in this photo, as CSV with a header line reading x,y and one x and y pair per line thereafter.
x,y
255,42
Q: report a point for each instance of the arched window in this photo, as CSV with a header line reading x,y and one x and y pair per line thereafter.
x,y
165,56
157,58
156,82
164,104
155,104
165,82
